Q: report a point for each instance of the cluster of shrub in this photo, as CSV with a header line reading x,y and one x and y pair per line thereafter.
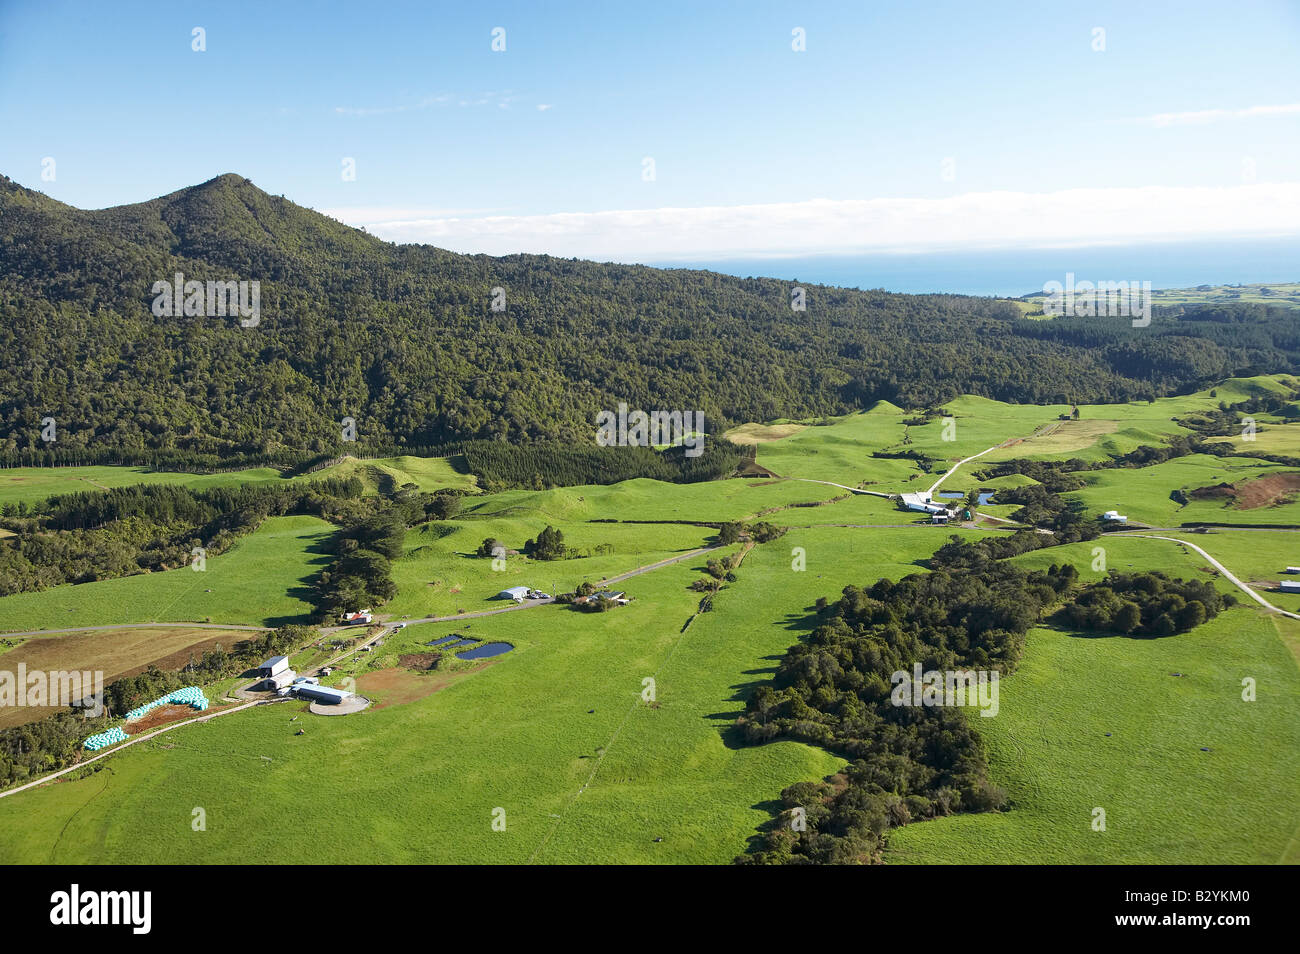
x,y
1144,604
759,532
720,570
592,604
1040,507
548,545
923,460
959,554
361,574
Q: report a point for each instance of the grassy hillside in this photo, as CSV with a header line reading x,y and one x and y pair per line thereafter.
x,y
1166,800
262,581
34,484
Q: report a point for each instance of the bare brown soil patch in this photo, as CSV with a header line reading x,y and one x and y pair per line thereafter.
x,y
160,717
116,653
761,433
395,687
420,661
1250,494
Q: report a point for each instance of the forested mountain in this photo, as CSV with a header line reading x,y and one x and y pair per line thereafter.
x,y
403,338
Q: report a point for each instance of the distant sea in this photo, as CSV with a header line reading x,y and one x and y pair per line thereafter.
x,y
1015,272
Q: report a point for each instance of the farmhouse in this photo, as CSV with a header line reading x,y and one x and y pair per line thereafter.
x,y
361,617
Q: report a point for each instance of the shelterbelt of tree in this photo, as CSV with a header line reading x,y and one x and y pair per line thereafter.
x,y
405,340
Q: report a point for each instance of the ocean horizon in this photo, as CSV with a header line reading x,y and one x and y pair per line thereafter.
x,y
1012,273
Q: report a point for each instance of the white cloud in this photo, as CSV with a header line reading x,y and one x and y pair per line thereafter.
x,y
543,107
1203,116
492,97
376,215
1072,217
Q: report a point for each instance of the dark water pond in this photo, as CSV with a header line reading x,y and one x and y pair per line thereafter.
x,y
486,650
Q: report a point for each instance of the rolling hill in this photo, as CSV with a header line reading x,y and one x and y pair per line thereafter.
x,y
404,340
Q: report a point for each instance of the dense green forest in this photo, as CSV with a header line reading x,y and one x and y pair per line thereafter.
x,y
403,339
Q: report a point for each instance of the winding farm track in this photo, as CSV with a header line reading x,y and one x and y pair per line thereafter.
x,y
531,604
1227,574
856,490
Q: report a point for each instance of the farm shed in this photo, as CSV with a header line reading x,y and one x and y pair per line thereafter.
x,y
273,666
516,593
323,694
281,679
922,502
1290,586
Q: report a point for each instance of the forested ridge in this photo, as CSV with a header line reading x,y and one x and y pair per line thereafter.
x,y
403,339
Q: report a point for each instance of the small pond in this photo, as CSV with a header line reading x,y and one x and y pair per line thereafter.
x,y
486,650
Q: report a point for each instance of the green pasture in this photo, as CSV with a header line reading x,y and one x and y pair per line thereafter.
x,y
263,580
1120,724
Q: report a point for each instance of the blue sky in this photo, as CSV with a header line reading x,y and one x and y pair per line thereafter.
x,y
1187,123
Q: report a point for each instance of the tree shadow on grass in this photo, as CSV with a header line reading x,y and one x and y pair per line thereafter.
x,y
732,737
305,588
758,841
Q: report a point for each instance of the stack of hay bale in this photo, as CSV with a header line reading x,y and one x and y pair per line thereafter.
x,y
103,739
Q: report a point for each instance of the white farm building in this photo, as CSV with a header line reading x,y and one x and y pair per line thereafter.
x,y
922,503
